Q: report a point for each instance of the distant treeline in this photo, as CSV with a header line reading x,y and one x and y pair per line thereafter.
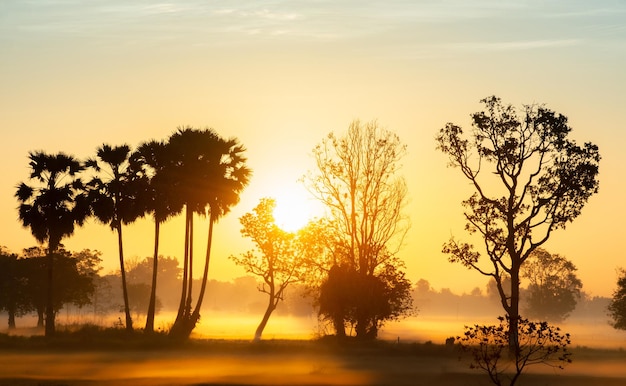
x,y
98,297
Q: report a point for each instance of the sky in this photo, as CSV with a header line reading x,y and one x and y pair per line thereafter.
x,y
281,75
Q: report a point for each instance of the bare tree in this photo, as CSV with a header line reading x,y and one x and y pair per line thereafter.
x,y
357,180
535,181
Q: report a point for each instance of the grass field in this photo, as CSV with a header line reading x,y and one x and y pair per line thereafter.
x,y
91,358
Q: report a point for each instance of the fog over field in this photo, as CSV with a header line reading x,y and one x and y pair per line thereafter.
x,y
234,309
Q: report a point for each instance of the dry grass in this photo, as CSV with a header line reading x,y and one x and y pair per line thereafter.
x,y
93,356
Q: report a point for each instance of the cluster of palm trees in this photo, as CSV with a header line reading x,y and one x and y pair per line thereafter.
x,y
194,172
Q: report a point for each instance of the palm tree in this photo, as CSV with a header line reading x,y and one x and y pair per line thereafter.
x,y
115,199
212,176
51,209
153,158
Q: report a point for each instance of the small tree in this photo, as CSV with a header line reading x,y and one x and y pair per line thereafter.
x,y
553,289
274,258
13,286
349,297
617,307
537,180
539,343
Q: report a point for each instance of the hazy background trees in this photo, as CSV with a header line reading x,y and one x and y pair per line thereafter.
x,y
553,288
529,179
617,306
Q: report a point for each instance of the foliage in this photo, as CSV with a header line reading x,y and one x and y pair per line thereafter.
x,y
114,197
210,172
539,343
617,306
24,281
349,296
13,285
553,289
357,180
159,199
529,180
274,259
51,207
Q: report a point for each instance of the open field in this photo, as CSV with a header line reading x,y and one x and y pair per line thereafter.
x,y
81,360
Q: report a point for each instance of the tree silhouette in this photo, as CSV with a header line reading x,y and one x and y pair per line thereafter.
x,y
13,283
553,289
114,197
74,279
617,306
356,179
211,173
274,258
160,199
540,180
51,208
539,343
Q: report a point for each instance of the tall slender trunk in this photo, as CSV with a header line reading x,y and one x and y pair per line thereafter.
x,y
129,320
49,297
190,276
155,268
49,325
183,294
205,275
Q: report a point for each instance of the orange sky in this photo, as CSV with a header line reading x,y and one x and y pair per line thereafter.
x,y
280,75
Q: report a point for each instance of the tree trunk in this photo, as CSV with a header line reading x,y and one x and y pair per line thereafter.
x,y
514,312
271,306
40,317
12,318
190,275
155,267
195,316
129,320
180,316
49,331
339,326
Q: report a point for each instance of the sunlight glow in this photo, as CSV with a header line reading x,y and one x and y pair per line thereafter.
x,y
295,208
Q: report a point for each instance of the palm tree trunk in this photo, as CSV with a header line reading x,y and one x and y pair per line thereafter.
x,y
49,325
155,267
129,320
190,277
205,275
183,294
49,331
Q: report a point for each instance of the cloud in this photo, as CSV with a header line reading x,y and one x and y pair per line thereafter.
x,y
513,45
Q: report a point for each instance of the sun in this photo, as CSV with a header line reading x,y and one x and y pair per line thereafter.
x,y
295,208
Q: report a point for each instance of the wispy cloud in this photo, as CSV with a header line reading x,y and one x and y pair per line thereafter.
x,y
513,45
406,24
